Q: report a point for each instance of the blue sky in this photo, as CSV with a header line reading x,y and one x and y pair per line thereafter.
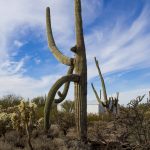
x,y
117,32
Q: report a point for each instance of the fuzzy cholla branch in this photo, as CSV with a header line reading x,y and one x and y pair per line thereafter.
x,y
4,123
23,119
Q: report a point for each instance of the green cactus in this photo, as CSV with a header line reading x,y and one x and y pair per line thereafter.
x,y
63,95
109,102
148,99
79,66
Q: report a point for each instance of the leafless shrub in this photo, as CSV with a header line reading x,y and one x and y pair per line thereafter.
x,y
5,146
135,119
65,121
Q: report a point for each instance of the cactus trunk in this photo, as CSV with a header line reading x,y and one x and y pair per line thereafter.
x,y
80,69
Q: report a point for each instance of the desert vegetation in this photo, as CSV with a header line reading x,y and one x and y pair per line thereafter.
x,y
21,126
38,124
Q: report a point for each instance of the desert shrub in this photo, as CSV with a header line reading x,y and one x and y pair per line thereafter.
x,y
10,100
5,146
99,130
13,139
39,101
65,121
99,117
66,117
4,123
106,117
92,118
40,112
136,120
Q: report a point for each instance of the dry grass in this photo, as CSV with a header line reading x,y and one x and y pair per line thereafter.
x,y
101,135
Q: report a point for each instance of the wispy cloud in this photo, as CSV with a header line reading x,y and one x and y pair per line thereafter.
x,y
10,67
26,86
18,43
120,48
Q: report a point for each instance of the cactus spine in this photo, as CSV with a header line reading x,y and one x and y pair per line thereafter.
x,y
79,65
109,103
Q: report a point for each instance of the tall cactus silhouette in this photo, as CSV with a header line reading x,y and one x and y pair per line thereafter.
x,y
109,103
77,64
148,99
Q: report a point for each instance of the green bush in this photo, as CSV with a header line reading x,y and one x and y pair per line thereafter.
x,y
10,100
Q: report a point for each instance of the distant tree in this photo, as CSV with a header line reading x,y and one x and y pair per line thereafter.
x,y
10,100
39,101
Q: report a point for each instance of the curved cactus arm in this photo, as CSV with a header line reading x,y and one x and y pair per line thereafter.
x,y
112,100
65,89
117,95
63,95
108,103
52,93
100,94
116,99
103,104
102,80
51,42
97,97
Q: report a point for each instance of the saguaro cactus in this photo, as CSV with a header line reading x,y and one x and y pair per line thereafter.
x,y
109,103
148,99
79,65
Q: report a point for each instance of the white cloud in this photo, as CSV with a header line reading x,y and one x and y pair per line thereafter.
x,y
18,44
37,61
119,48
126,96
26,86
17,17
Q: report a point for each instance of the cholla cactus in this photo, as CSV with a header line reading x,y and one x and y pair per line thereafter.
x,y
24,118
32,105
4,123
27,112
32,114
16,121
40,123
5,119
4,116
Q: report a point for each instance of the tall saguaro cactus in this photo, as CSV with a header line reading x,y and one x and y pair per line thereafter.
x,y
109,103
79,66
